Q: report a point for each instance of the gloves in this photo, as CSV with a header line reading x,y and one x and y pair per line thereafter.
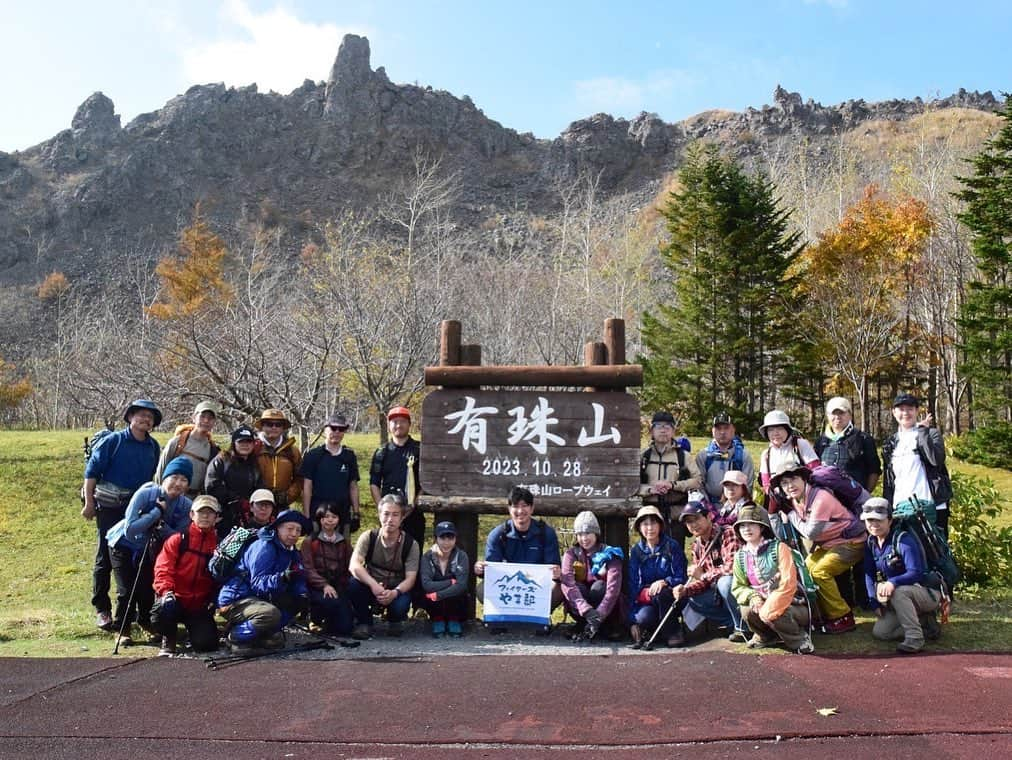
x,y
293,572
169,606
431,596
354,522
593,618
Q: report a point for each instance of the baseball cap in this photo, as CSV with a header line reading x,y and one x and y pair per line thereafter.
x,y
445,528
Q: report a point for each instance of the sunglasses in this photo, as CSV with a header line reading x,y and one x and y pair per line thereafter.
x,y
265,423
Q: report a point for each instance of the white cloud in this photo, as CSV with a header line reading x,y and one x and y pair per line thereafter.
x,y
619,95
275,49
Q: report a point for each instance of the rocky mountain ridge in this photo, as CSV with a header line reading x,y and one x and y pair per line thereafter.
x,y
79,200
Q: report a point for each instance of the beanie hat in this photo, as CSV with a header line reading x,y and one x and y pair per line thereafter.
x,y
179,466
586,522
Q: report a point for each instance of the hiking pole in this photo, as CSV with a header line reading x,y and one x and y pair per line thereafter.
x,y
217,663
130,601
649,646
327,637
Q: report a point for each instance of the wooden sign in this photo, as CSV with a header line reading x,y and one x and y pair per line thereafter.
x,y
562,445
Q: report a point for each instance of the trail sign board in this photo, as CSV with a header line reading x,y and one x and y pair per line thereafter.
x,y
564,445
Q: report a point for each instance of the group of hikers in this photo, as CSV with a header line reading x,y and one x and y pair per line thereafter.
x,y
260,536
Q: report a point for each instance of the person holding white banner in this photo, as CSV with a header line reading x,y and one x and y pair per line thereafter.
x,y
524,540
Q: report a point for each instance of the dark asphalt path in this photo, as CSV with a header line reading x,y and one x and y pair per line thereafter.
x,y
699,704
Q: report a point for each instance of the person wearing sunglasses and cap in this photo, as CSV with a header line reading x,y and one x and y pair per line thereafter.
x,y
279,458
330,475
394,470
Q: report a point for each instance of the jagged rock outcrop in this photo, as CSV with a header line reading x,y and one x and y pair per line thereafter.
x,y
97,190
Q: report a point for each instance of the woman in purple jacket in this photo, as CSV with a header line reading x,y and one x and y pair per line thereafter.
x,y
592,579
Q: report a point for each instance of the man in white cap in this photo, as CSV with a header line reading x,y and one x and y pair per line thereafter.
x,y
843,446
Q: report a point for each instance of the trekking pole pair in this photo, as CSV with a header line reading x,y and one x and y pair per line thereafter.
x,y
217,663
326,637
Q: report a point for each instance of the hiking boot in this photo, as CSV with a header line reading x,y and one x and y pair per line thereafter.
x,y
438,628
909,647
274,641
168,647
758,642
806,646
104,621
737,637
454,629
843,624
932,630
395,629
361,632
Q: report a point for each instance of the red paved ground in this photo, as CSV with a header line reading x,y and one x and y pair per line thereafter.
x,y
722,704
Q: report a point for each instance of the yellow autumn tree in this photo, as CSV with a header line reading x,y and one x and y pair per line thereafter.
x,y
13,389
194,276
854,282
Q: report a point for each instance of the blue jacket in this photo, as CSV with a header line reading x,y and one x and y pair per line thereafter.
x,y
664,562
538,546
122,459
143,513
911,570
261,571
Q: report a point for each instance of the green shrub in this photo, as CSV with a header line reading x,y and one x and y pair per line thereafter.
x,y
982,551
990,446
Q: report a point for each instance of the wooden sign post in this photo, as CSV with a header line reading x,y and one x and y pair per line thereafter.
x,y
490,428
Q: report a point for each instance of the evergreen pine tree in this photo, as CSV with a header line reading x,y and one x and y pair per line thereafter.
x,y
714,346
986,311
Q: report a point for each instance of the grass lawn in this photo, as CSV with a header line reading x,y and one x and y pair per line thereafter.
x,y
48,551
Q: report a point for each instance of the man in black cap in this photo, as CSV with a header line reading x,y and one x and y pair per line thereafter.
x,y
667,473
330,474
913,462
120,464
725,452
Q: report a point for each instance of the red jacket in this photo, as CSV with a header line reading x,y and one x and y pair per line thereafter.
x,y
185,574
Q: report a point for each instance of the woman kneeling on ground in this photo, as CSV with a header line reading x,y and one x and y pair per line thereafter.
x,y
900,590
837,537
656,565
766,586
592,579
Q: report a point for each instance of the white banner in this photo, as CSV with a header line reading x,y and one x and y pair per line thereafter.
x,y
517,593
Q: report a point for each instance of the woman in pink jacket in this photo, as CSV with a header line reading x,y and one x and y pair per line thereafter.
x,y
836,535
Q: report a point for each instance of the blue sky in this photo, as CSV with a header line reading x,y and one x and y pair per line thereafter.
x,y
533,66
